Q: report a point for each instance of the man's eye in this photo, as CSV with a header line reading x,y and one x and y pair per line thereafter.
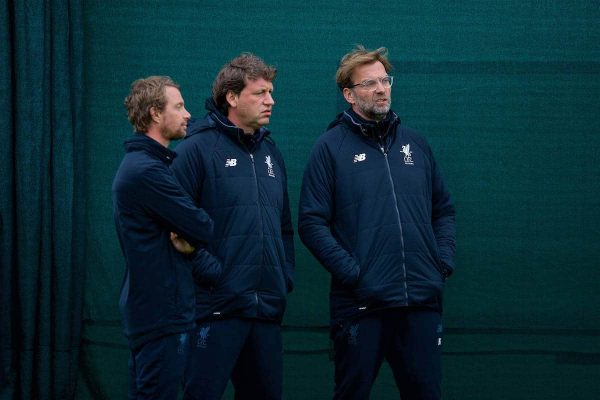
x,y
369,83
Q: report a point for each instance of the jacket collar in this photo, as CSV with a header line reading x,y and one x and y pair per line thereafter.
x,y
223,123
372,129
141,142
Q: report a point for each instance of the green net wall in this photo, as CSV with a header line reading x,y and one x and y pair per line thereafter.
x,y
507,93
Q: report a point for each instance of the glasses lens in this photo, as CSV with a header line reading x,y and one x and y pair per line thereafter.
x,y
370,84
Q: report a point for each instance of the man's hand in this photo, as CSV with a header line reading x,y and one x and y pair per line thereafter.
x,y
181,245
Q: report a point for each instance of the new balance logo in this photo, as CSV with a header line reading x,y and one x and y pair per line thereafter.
x,y
231,162
360,157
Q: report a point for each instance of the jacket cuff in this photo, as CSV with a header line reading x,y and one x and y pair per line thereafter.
x,y
351,279
446,270
207,268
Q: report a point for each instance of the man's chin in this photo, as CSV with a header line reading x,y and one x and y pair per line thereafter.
x,y
381,110
178,135
378,115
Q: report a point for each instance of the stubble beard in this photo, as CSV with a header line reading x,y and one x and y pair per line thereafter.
x,y
174,135
373,111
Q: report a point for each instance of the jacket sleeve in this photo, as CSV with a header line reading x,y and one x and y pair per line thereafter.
x,y
161,195
443,219
189,170
287,232
315,215
206,268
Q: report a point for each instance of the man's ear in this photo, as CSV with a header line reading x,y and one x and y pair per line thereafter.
x,y
155,114
348,95
231,98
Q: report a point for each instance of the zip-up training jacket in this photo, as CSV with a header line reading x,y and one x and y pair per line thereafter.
x,y
157,293
375,213
240,180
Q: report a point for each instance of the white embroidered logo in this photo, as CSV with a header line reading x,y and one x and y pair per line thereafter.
x,y
230,162
407,155
203,335
360,157
353,335
269,166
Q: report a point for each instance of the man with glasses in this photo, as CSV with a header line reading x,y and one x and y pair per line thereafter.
x,y
375,213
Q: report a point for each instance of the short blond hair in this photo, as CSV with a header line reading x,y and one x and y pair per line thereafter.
x,y
145,94
357,57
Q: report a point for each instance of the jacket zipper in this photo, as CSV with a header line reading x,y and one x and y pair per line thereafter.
x,y
260,225
389,171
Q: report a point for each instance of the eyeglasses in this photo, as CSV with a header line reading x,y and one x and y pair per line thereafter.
x,y
371,84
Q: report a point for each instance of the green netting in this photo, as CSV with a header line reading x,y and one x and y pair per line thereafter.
x,y
507,93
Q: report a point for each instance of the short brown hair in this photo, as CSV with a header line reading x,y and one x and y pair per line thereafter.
x,y
146,93
234,74
357,57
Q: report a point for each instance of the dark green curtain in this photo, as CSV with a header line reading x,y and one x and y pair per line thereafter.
x,y
42,270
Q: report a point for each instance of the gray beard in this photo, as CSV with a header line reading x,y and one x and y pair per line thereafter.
x,y
381,111
374,112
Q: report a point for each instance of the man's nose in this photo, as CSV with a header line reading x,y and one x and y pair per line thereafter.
x,y
269,99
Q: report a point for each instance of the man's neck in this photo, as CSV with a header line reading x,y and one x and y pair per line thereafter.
x,y
154,133
372,119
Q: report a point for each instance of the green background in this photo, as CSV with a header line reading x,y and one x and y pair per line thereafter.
x,y
506,92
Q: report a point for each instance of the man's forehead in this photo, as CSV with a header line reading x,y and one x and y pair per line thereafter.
x,y
372,70
173,94
258,83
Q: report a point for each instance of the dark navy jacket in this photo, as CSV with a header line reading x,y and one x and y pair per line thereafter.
x,y
157,294
241,181
375,213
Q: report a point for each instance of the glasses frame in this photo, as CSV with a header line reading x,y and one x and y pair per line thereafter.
x,y
380,80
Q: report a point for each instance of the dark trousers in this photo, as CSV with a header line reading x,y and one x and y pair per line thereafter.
x,y
156,368
408,339
250,352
